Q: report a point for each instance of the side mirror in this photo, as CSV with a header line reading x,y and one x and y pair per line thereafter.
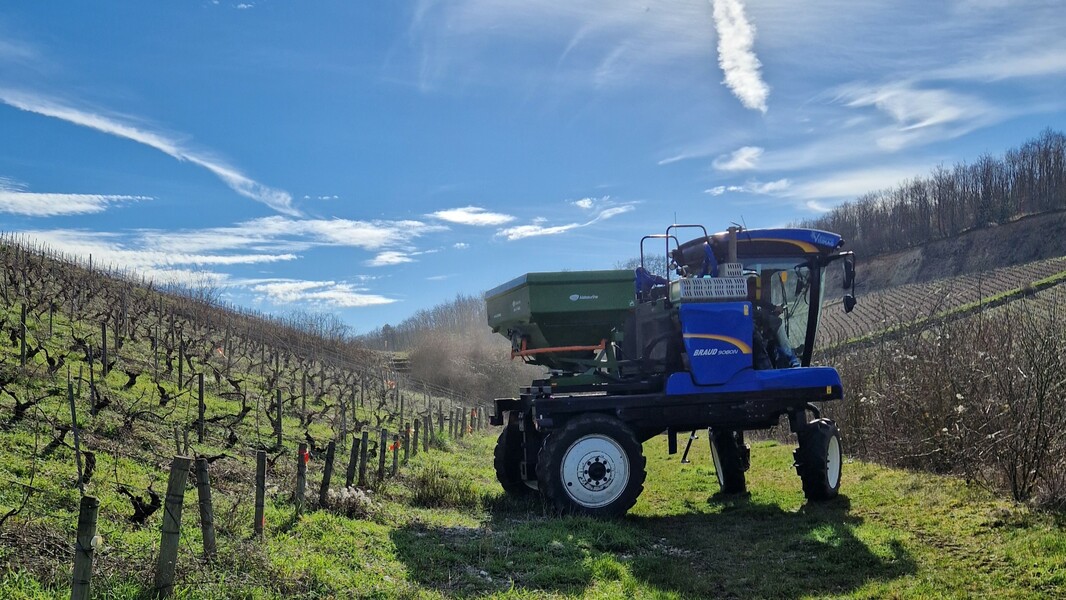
x,y
849,303
849,274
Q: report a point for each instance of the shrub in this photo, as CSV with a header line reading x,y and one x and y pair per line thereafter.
x,y
435,487
351,502
980,397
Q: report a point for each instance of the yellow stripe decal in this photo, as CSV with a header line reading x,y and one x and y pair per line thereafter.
x,y
806,247
746,349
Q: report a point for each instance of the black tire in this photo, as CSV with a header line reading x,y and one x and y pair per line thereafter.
x,y
731,459
507,459
819,460
593,466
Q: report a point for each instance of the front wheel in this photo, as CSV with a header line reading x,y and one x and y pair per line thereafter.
x,y
819,460
593,466
731,458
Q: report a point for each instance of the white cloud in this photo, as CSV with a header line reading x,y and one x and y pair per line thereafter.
x,y
739,160
279,200
538,228
329,293
854,183
1039,62
109,248
472,215
460,245
51,205
736,36
585,203
279,232
388,258
919,115
753,187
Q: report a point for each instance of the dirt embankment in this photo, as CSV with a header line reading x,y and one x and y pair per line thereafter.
x,y
1021,241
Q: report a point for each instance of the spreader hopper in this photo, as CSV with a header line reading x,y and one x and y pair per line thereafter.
x,y
557,319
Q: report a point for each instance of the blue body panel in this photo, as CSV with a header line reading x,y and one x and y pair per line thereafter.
x,y
717,339
823,241
750,380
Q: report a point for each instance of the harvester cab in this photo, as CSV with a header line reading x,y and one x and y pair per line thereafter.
x,y
719,337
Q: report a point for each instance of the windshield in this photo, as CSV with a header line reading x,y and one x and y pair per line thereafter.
x,y
786,284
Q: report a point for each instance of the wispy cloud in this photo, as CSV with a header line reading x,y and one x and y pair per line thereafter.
x,y
752,187
539,226
389,258
116,249
739,160
11,51
598,44
736,37
919,115
472,215
338,294
14,199
853,183
276,199
293,235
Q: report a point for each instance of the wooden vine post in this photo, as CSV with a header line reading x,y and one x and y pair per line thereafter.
x,y
363,452
171,531
353,463
260,492
84,548
382,449
201,407
207,511
327,474
414,442
22,336
302,458
395,454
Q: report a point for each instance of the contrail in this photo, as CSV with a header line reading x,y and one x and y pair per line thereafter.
x,y
735,55
279,200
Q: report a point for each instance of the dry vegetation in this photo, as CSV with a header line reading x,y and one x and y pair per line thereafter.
x,y
980,397
450,345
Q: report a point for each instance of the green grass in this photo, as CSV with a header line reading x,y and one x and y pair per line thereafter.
x,y
890,534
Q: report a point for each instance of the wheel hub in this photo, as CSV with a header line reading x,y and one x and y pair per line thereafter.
x,y
595,470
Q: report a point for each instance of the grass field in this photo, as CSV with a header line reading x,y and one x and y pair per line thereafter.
x,y
890,534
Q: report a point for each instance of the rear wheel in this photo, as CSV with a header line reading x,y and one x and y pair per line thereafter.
x,y
593,466
731,459
507,459
819,460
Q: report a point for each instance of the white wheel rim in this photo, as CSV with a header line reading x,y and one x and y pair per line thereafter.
x,y
717,464
595,471
833,462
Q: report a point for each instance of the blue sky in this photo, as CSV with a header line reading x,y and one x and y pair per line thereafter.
x,y
373,158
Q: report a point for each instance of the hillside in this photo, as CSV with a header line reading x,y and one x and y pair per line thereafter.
x,y
1025,240
888,308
